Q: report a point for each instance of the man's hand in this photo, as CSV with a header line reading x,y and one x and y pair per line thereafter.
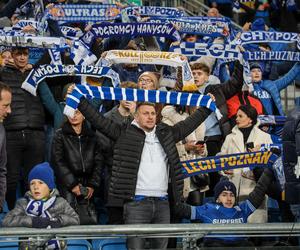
x,y
76,190
90,193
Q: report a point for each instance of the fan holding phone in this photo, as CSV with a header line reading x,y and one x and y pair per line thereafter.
x,y
246,136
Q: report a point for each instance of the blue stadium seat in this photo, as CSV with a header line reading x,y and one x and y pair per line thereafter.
x,y
10,244
110,244
79,245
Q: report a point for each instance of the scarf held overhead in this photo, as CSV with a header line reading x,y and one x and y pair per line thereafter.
x,y
227,162
137,95
106,30
39,74
150,57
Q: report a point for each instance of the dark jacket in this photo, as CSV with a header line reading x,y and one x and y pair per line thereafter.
x,y
291,152
27,110
128,148
225,91
77,158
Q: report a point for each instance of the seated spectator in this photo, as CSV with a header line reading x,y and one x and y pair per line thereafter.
x,y
42,207
77,160
246,136
6,57
226,210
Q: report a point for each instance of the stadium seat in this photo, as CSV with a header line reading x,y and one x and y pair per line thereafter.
x,y
109,244
10,244
79,245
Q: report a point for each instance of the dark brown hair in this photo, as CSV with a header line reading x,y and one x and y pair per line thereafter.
x,y
200,66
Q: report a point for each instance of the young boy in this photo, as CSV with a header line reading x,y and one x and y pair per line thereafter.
x,y
42,207
226,211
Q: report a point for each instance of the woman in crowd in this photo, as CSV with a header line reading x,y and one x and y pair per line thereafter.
x,y
77,159
246,136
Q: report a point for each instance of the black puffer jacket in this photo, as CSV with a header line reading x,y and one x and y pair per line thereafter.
x,y
291,152
27,111
225,91
128,148
77,158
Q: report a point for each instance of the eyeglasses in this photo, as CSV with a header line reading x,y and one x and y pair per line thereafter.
x,y
147,81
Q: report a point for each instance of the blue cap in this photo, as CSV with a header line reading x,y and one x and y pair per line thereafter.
x,y
43,172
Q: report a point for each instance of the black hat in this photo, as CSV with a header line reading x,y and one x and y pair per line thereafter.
x,y
224,185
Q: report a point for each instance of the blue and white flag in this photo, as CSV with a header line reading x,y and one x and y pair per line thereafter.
x,y
23,23
43,71
153,11
83,12
106,30
205,27
271,119
268,37
137,95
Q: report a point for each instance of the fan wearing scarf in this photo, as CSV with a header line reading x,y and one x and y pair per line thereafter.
x,y
42,207
225,210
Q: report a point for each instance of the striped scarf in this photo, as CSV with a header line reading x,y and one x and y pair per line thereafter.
x,y
137,95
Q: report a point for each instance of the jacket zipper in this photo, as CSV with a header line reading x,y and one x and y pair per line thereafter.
x,y
83,167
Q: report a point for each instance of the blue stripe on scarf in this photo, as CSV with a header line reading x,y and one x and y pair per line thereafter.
x,y
156,96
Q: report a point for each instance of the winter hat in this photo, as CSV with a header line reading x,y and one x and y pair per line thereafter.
x,y
258,24
250,112
151,75
224,185
256,65
43,172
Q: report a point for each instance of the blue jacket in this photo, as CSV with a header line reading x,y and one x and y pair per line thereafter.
x,y
274,87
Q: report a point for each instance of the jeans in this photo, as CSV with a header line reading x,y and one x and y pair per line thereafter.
x,y
296,212
147,212
25,149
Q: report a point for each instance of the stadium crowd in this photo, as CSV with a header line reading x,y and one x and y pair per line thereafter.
x,y
118,160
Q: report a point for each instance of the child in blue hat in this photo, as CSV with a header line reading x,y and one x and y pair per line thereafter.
x,y
42,207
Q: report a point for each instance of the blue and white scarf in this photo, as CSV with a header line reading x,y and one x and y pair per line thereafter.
x,y
205,27
71,33
39,208
271,119
39,74
153,11
83,12
137,95
268,37
272,55
29,41
106,30
149,57
81,55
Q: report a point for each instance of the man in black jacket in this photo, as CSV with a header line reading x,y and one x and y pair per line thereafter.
x,y
291,160
24,126
145,158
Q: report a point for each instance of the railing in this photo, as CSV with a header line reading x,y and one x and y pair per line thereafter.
x,y
189,232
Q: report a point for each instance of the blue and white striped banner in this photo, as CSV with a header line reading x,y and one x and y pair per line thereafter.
x,y
43,71
137,95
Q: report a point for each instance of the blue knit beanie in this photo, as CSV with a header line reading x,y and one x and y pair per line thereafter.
x,y
224,185
258,24
43,172
256,65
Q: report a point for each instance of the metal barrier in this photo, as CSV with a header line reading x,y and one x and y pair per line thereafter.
x,y
188,232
